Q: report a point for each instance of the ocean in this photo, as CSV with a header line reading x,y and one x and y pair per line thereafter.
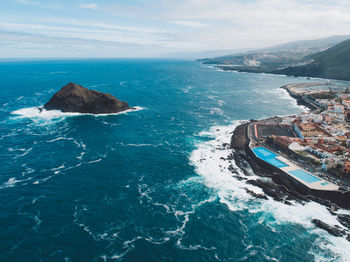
x,y
147,185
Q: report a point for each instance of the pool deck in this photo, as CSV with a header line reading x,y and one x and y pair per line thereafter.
x,y
317,185
314,185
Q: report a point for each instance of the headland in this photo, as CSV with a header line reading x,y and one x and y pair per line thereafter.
x,y
306,156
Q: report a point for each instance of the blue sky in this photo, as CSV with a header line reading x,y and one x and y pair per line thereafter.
x,y
153,28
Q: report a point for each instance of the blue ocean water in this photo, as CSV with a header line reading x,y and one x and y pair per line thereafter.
x,y
148,185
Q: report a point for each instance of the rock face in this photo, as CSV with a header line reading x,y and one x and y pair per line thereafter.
x,y
75,98
330,229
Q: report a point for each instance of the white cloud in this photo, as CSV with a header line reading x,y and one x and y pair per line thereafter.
x,y
194,24
259,23
113,26
27,2
88,5
87,33
20,45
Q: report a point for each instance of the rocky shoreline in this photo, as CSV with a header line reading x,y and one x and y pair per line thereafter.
x,y
274,187
303,99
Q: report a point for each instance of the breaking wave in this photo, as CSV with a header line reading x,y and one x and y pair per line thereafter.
x,y
211,162
41,113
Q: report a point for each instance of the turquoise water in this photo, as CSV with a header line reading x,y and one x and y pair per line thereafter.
x,y
268,156
305,176
149,185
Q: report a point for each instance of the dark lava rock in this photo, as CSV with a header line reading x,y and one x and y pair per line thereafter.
x,y
287,203
330,229
344,220
261,196
75,98
269,189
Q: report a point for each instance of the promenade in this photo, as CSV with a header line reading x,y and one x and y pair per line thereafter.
x,y
285,165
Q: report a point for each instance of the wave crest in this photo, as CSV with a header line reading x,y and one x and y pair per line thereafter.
x,y
41,113
211,162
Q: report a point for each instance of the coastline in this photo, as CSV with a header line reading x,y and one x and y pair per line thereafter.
x,y
281,188
272,72
303,100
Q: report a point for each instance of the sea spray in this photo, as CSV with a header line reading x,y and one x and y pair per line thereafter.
x,y
211,161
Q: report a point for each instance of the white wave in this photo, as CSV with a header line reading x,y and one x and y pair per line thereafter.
x,y
35,112
37,198
11,182
216,110
41,113
59,138
337,247
209,162
184,217
24,150
144,192
57,72
57,170
80,157
37,221
140,145
292,100
27,171
94,161
42,180
221,102
80,144
187,89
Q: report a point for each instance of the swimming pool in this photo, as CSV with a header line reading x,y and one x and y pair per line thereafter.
x,y
305,176
268,156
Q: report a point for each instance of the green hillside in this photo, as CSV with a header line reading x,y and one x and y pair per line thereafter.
x,y
324,58
333,63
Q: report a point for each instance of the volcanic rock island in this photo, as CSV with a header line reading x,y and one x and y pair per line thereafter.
x,y
75,98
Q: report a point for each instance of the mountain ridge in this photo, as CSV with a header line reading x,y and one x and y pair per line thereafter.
x,y
322,60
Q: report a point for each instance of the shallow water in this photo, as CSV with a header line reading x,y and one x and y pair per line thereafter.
x,y
147,185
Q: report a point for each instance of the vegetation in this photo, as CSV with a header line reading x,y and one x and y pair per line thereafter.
x,y
316,61
323,95
333,63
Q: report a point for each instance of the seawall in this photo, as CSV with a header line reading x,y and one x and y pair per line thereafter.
x,y
305,100
243,152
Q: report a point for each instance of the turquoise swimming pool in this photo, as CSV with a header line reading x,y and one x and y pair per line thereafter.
x,y
305,176
268,156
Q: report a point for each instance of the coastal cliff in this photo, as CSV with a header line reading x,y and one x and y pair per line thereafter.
x,y
329,62
75,98
332,63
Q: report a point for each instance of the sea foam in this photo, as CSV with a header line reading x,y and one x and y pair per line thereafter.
x,y
39,114
211,163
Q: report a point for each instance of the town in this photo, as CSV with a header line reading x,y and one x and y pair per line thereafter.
x,y
318,141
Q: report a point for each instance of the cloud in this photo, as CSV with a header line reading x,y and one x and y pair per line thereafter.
x,y
102,25
194,24
27,2
88,5
259,23
20,45
92,31
190,25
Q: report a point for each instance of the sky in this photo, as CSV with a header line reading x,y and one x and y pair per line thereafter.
x,y
159,28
